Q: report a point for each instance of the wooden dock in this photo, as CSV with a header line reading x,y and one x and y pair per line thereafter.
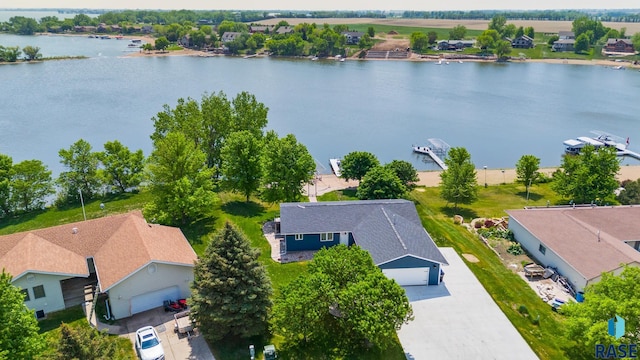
x,y
427,151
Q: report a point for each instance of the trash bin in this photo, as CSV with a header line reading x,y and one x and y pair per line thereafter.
x,y
579,296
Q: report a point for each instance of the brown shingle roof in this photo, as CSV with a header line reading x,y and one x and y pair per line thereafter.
x,y
119,244
591,240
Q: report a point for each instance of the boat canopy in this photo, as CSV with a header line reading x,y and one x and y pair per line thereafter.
x,y
572,143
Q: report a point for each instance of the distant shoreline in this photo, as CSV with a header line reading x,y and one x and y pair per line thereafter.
x,y
413,56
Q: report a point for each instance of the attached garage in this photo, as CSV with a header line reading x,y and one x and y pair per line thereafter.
x,y
153,299
409,276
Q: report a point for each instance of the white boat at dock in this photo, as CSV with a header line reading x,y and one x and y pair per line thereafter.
x,y
335,166
602,139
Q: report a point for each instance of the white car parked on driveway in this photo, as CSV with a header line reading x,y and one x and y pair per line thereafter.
x,y
148,344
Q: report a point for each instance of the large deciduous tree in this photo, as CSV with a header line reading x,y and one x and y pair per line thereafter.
x,y
231,291
343,306
287,167
589,176
587,322
631,192
458,32
418,41
458,181
356,164
6,170
242,163
527,170
180,182
82,172
209,122
381,183
19,333
31,53
122,168
31,184
405,172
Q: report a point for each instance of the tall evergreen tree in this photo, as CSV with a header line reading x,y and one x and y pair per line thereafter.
x,y
231,290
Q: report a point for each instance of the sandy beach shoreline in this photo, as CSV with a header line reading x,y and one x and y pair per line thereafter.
x,y
327,183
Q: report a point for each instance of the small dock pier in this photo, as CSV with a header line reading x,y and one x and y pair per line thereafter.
x,y
436,149
335,166
629,153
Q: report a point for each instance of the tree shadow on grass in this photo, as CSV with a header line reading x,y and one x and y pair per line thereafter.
x,y
196,231
231,348
466,213
532,196
244,209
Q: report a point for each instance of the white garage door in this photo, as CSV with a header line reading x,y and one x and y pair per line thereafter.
x,y
153,299
409,276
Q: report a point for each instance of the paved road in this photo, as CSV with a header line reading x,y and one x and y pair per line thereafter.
x,y
458,320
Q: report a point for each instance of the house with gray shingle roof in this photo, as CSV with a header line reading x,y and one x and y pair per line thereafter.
x,y
137,264
580,242
390,230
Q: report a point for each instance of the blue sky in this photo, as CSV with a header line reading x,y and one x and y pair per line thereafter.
x,y
325,4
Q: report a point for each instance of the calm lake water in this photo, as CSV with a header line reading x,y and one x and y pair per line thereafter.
x,y
499,112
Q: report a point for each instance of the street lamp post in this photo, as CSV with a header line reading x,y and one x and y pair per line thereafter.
x,y
485,176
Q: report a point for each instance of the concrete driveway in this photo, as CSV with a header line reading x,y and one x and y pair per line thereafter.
x,y
175,347
458,320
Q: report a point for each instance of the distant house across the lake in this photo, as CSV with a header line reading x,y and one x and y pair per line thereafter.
x,y
353,37
619,46
522,42
230,36
566,35
453,45
563,45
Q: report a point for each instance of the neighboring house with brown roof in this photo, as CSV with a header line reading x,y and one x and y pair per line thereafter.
x,y
582,242
137,264
619,46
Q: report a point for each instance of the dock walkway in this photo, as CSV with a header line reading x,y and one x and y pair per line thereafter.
x,y
427,151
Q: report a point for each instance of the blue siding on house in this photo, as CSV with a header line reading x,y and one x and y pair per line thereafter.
x,y
309,242
413,262
351,240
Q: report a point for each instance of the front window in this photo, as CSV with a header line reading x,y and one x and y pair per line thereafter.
x,y
38,292
326,237
542,249
25,292
298,236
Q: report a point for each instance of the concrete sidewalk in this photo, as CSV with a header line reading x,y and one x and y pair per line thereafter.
x,y
459,320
